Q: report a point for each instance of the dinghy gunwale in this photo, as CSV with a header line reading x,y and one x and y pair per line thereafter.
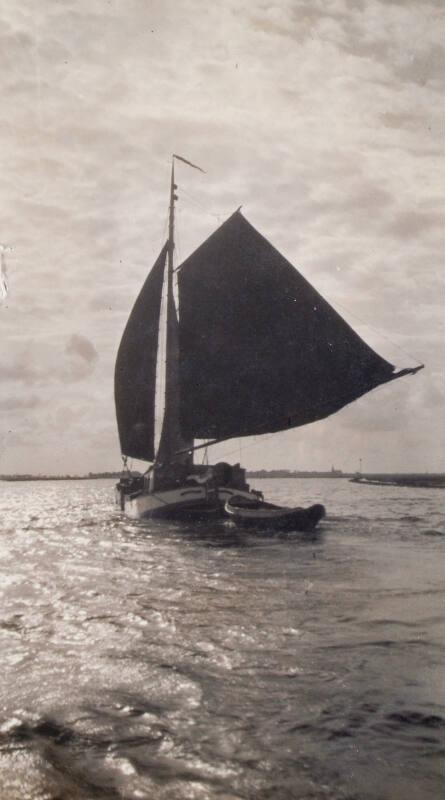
x,y
268,515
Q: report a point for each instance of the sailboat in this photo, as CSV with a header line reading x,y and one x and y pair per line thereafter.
x,y
252,348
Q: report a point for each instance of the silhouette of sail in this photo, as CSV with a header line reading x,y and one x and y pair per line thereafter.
x,y
260,349
135,374
171,442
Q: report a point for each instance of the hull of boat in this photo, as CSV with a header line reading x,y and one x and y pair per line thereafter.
x,y
186,503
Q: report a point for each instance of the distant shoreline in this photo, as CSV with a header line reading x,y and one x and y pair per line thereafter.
x,y
391,478
274,473
90,477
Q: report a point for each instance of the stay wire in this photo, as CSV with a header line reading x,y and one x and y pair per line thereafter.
x,y
379,333
212,214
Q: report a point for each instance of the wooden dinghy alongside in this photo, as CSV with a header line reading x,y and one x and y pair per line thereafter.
x,y
258,514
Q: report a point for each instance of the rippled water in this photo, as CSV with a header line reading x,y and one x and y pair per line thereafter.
x,y
150,661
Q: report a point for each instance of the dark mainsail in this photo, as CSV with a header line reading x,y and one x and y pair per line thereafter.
x,y
135,373
260,349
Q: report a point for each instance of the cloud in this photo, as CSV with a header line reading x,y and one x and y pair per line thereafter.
x,y
21,370
82,347
19,403
39,363
412,224
325,119
402,120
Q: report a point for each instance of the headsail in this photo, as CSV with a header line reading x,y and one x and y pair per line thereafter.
x,y
260,349
135,373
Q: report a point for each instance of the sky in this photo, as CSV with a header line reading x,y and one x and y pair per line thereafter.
x,y
323,118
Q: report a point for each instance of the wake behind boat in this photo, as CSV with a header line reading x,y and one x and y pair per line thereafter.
x,y
255,349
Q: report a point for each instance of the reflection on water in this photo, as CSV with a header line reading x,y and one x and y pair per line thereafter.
x,y
155,661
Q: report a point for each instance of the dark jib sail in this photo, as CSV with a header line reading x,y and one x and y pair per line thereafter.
x,y
135,374
260,349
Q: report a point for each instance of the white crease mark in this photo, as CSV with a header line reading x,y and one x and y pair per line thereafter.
x,y
4,284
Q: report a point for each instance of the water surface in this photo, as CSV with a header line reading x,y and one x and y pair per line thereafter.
x,y
154,661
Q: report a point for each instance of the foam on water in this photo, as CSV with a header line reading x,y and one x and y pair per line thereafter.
x,y
157,661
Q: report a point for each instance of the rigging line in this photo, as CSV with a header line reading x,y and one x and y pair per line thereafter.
x,y
334,305
378,333
264,438
201,206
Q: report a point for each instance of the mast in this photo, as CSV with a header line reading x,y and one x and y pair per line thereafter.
x,y
171,440
171,231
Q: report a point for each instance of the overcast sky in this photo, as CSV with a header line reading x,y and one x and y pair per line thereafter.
x,y
324,118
